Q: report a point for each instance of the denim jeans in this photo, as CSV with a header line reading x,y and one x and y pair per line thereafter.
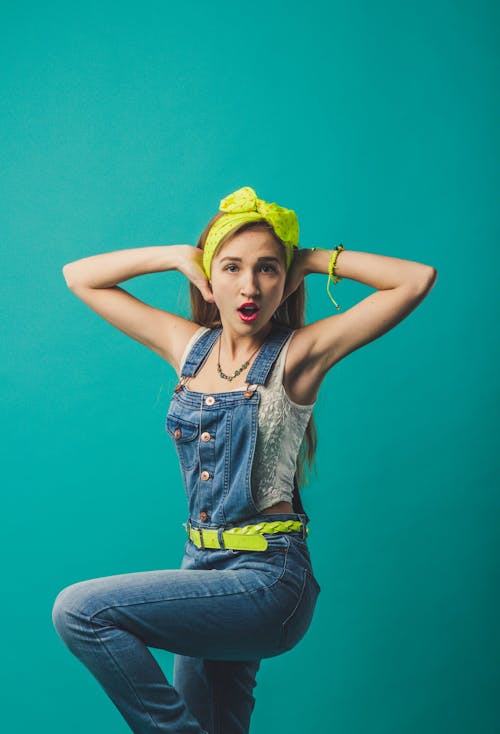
x,y
220,613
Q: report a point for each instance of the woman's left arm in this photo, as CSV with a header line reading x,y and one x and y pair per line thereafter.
x,y
401,285
378,271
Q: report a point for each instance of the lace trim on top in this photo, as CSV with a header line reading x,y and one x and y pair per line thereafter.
x,y
282,425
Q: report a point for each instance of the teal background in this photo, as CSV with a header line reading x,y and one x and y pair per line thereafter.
x,y
123,125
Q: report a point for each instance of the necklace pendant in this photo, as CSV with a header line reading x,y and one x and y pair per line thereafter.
x,y
221,373
237,372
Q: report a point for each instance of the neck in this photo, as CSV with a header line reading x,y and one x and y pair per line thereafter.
x,y
238,347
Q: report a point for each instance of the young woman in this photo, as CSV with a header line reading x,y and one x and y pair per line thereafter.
x,y
241,421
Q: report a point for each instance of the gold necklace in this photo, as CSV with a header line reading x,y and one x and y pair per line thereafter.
x,y
238,371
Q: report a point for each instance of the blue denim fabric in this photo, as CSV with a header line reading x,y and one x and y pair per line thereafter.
x,y
223,610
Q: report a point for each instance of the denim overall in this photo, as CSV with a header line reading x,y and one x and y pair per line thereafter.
x,y
215,436
223,610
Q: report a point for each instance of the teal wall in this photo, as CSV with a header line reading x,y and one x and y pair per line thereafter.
x,y
123,125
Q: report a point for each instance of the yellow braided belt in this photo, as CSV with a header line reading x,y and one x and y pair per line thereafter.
x,y
248,537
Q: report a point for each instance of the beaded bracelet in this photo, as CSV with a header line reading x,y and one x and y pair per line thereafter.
x,y
331,269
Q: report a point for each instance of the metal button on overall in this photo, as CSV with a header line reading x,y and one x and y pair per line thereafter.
x,y
177,433
205,436
205,475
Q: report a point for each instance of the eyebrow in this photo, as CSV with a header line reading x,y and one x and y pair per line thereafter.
x,y
269,257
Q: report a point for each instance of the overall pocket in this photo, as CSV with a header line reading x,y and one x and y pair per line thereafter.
x,y
267,566
184,434
297,623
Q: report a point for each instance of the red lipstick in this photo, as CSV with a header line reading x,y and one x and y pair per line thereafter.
x,y
248,311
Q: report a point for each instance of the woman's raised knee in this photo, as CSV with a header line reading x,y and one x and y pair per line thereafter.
x,y
74,603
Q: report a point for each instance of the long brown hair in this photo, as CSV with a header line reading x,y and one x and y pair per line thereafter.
x,y
289,313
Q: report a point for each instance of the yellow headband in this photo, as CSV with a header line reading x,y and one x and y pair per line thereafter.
x,y
242,206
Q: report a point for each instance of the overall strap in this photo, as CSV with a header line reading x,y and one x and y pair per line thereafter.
x,y
200,351
262,364
268,354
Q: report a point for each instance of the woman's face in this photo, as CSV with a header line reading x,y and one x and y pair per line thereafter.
x,y
249,267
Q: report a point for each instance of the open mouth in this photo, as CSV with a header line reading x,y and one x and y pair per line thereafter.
x,y
248,313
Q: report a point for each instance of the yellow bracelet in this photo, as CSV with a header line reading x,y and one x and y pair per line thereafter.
x,y
331,269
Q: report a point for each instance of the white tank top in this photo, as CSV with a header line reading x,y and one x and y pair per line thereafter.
x,y
281,428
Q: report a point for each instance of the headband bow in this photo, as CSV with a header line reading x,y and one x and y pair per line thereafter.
x,y
243,206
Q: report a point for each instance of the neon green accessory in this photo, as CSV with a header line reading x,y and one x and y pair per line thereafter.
x,y
331,270
243,206
249,537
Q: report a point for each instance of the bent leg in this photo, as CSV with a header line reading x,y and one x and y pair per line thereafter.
x,y
109,622
121,662
218,692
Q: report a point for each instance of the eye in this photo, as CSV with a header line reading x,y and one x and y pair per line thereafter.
x,y
272,269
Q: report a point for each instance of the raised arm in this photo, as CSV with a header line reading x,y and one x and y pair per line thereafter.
x,y
94,281
401,285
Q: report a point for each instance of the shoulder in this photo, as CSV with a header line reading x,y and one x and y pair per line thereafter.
x,y
186,341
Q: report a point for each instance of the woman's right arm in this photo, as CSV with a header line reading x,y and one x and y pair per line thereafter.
x,y
94,281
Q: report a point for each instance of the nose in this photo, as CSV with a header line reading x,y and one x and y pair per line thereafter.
x,y
249,283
